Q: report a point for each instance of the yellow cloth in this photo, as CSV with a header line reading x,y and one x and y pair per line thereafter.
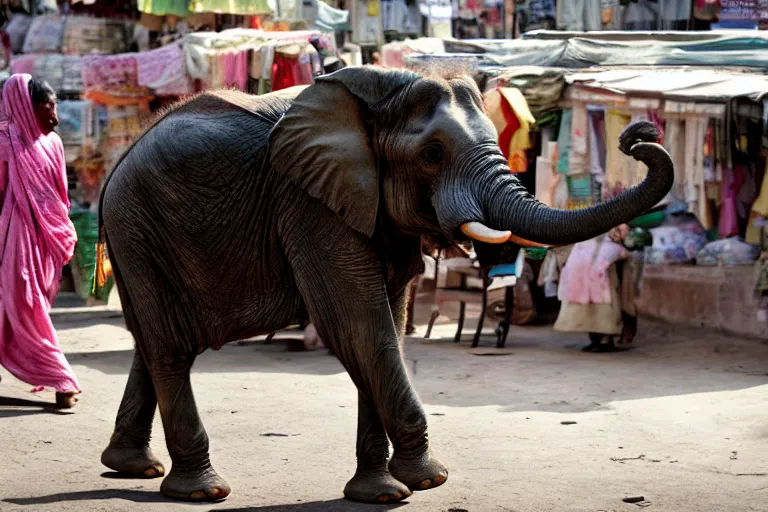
x,y
521,139
617,164
759,212
492,100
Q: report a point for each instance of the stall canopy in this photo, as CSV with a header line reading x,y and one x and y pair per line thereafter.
x,y
580,50
693,85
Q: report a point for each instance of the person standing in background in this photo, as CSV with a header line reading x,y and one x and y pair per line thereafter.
x,y
37,237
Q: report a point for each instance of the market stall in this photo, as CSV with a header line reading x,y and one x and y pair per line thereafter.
x,y
113,73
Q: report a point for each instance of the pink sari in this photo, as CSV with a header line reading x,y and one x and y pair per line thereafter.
x,y
36,240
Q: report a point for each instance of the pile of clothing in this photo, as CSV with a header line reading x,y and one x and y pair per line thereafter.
x,y
84,35
541,87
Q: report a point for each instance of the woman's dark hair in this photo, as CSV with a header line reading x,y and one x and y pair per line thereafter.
x,y
40,91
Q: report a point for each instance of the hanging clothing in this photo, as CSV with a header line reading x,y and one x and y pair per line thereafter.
x,y
508,110
695,193
517,135
178,8
674,142
579,159
581,15
291,67
596,119
242,7
163,70
564,142
618,166
728,225
39,240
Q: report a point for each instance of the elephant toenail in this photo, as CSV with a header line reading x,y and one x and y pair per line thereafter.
x,y
426,484
150,473
383,498
197,495
214,493
440,480
398,496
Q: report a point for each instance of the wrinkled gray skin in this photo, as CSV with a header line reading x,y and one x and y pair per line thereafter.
x,y
235,215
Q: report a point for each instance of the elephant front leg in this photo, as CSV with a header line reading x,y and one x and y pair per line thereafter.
x,y
372,482
412,462
406,423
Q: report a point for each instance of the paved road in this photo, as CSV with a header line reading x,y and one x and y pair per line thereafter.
x,y
681,420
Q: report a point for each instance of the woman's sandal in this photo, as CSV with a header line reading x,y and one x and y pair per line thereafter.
x,y
66,400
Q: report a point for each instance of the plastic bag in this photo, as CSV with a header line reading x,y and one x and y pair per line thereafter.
x,y
678,241
729,251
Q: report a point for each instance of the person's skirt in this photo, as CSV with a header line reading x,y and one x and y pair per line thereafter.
x,y
603,318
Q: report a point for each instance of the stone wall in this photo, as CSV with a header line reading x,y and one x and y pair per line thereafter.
x,y
716,297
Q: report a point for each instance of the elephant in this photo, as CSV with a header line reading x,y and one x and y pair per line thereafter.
x,y
234,215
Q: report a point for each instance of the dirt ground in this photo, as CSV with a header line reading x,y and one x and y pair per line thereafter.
x,y
681,420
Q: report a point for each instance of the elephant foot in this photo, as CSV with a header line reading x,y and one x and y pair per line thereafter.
x,y
198,486
419,474
138,461
375,487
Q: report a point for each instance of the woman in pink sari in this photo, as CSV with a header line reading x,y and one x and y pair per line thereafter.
x,y
36,237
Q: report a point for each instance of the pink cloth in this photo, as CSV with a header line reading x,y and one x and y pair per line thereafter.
x,y
585,279
164,71
117,75
38,240
23,64
235,66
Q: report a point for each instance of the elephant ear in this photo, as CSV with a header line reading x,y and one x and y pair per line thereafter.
x,y
323,145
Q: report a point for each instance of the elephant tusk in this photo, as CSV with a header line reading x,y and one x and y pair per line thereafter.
x,y
482,233
522,242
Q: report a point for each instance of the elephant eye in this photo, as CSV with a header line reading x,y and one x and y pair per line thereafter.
x,y
433,154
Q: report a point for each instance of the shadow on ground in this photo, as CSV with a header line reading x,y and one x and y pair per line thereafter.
x,y
137,496
339,505
15,407
133,495
537,364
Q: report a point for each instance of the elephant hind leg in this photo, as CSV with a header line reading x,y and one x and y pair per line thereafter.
x,y
192,477
128,451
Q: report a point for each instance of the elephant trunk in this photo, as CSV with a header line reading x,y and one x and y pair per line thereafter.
x,y
505,212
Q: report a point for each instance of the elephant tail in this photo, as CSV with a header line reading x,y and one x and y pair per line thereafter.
x,y
103,270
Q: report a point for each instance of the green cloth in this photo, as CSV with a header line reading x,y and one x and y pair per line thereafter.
x,y
535,253
178,8
244,7
84,259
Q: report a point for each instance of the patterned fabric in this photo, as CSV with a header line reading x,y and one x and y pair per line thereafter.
x,y
45,34
163,70
112,74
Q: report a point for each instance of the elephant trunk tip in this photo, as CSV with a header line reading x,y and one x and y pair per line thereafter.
x,y
640,131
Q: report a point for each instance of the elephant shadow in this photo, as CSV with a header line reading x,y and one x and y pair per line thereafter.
x,y
138,496
337,505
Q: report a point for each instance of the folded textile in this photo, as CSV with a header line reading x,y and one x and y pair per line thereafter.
x,y
45,34
23,64
116,75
